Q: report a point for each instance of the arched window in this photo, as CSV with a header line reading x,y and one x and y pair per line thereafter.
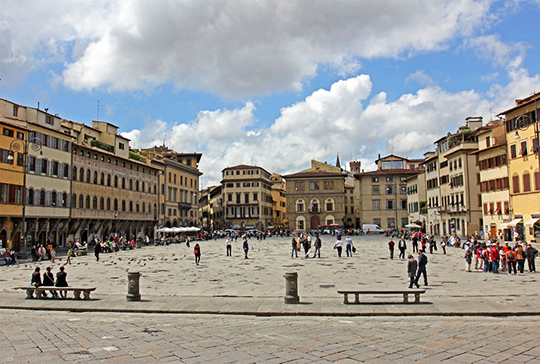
x,y
137,208
81,201
143,207
81,175
314,205
123,183
300,223
155,189
74,173
95,178
123,205
515,183
74,200
109,180
329,204
115,204
116,181
137,186
103,179
53,198
87,202
131,184
88,176
142,186
300,205
130,206
526,182
64,199
102,203
42,198
30,197
108,203
94,203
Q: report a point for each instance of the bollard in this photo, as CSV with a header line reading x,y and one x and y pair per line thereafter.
x,y
133,286
291,288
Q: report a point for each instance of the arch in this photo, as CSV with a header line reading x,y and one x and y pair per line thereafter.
x,y
174,223
329,220
54,198
123,183
87,201
95,177
115,204
123,205
81,201
143,207
30,197
102,203
329,204
116,181
64,199
102,179
108,203
526,181
137,208
130,206
73,200
42,198
109,180
74,173
130,184
137,186
94,203
87,176
300,205
155,189
315,205
142,186
300,223
81,175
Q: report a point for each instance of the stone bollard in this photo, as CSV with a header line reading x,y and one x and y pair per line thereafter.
x,y
133,286
291,288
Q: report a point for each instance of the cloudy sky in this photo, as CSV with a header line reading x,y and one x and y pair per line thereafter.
x,y
272,83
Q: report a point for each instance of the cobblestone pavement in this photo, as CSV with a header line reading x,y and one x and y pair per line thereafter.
x,y
115,337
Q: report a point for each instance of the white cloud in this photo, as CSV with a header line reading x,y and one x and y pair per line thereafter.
x,y
233,48
421,77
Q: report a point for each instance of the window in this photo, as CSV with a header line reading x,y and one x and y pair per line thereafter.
x,y
102,203
375,179
299,186
329,185
88,176
8,132
55,168
523,147
300,206
255,196
49,120
87,202
15,111
44,166
390,205
513,151
515,184
246,197
375,190
526,182
42,197
121,146
376,205
391,223
329,205
537,181
313,186
30,197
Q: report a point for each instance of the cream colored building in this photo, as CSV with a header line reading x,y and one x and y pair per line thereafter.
x,y
416,199
523,168
460,205
247,197
433,194
279,201
493,178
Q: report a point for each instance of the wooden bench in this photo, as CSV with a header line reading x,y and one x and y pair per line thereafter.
x,y
405,293
76,291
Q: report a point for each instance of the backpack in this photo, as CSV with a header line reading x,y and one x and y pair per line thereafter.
x,y
511,255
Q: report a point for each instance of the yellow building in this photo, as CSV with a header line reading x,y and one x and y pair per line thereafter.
x,y
416,199
523,168
11,183
279,201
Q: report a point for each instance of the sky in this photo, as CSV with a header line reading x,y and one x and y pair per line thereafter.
x,y
272,83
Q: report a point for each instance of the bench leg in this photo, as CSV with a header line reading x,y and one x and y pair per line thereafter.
x,y
356,298
40,293
345,298
29,293
86,294
405,298
417,298
77,294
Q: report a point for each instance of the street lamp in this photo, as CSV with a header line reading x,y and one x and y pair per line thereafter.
x,y
15,147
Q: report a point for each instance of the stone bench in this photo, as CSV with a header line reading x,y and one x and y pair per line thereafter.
x,y
76,291
80,252
405,293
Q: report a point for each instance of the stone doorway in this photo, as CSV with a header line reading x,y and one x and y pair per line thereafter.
x,y
315,222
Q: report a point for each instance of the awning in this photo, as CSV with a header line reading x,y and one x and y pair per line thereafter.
x,y
514,222
503,225
531,222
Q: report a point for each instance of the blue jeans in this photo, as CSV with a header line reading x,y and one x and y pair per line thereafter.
x,y
486,265
294,252
317,252
421,270
512,265
495,266
348,250
521,265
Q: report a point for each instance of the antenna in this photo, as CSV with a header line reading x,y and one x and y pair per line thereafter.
x,y
97,110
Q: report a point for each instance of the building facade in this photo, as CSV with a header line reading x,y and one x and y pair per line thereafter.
x,y
279,201
247,197
417,199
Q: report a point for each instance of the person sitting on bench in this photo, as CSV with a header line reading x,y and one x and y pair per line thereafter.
x,y
61,281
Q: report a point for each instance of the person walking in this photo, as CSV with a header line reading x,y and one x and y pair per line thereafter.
x,y
530,254
229,247
422,262
494,257
246,248
197,252
69,253
443,244
97,250
412,266
317,245
294,251
415,243
339,247
468,257
61,281
402,246
348,246
520,257
391,246
307,246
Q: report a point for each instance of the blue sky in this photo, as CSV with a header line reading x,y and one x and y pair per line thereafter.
x,y
268,82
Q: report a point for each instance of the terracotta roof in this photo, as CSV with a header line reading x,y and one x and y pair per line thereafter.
x,y
245,166
389,171
489,148
312,173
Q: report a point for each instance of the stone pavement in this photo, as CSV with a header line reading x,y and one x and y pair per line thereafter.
x,y
58,337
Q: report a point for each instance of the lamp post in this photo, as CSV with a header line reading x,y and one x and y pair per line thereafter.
x,y
15,147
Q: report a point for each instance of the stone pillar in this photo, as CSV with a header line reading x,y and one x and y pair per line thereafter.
x,y
291,288
133,286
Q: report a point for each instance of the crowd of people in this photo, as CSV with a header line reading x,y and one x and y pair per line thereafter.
x,y
491,257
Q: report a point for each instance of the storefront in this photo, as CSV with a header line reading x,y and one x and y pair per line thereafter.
x,y
533,228
513,230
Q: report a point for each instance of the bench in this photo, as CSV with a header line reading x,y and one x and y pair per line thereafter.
x,y
76,291
80,252
405,293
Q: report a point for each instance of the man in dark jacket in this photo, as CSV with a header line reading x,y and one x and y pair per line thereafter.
x,y
36,280
422,262
412,266
97,250
530,254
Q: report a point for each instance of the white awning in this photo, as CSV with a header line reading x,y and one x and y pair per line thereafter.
x,y
503,225
514,222
531,222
